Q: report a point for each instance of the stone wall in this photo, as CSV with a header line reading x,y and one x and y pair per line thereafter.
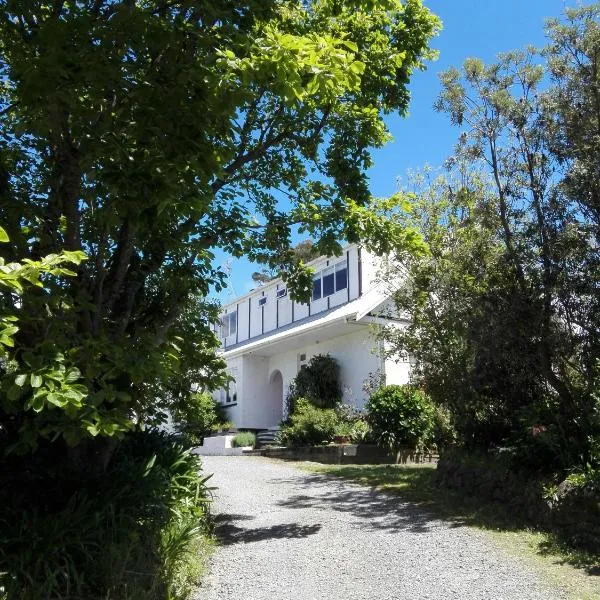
x,y
347,454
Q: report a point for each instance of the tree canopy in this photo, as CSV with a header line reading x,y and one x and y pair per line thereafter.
x,y
504,307
147,133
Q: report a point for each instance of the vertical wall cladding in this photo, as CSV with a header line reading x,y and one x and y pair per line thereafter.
x,y
353,272
284,306
256,315
243,320
301,311
370,268
339,281
270,310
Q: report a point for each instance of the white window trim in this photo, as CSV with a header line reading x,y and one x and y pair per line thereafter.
x,y
226,328
328,270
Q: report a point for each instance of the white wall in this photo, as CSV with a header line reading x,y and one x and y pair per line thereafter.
x,y
354,353
396,368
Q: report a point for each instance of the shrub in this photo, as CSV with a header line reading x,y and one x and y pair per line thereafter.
x,y
444,432
309,425
197,417
317,382
133,533
352,424
244,439
401,415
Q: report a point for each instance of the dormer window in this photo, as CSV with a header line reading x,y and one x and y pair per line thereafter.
x,y
262,301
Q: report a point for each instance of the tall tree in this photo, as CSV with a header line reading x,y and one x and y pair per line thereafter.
x,y
148,133
504,309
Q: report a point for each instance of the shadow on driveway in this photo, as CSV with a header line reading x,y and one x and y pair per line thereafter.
x,y
372,509
228,532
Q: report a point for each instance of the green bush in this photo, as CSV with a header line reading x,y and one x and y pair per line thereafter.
x,y
401,416
133,534
243,439
352,424
318,382
309,425
197,417
444,432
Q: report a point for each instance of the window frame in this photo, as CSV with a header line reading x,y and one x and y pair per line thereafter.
x,y
329,270
226,324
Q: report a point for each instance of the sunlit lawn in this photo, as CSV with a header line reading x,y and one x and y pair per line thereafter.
x,y
578,573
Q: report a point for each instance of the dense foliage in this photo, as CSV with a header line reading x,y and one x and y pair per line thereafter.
x,y
308,425
401,416
144,135
197,416
147,134
318,382
504,307
135,534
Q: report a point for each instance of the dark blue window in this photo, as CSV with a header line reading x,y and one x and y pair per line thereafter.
x,y
328,282
316,288
341,278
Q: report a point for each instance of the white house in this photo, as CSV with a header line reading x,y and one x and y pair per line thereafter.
x,y
267,338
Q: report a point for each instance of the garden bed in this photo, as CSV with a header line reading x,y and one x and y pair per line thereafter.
x,y
346,454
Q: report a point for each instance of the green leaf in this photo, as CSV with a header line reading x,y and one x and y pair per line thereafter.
x,y
36,380
3,235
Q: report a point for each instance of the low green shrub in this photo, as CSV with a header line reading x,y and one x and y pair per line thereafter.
x,y
352,425
401,416
132,534
309,425
197,417
244,439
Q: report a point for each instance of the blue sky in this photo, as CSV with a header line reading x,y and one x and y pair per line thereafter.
x,y
479,28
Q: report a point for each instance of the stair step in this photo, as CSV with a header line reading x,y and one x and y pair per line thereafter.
x,y
266,436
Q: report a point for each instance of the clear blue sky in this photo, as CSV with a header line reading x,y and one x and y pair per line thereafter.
x,y
479,28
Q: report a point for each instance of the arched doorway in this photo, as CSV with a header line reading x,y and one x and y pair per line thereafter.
x,y
274,404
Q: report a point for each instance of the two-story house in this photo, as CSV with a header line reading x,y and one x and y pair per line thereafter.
x,y
267,338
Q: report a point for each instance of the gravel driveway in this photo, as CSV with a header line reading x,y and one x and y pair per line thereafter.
x,y
290,535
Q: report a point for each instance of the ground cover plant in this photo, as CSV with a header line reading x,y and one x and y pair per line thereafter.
x,y
140,532
401,416
244,439
308,425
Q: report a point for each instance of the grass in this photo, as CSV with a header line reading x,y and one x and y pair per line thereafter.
x,y
576,573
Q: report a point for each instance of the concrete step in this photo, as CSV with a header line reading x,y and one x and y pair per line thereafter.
x,y
266,437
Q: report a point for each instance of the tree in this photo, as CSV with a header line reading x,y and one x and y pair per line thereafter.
x,y
146,134
303,252
504,307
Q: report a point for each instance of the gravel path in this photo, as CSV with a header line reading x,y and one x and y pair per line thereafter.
x,y
290,535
